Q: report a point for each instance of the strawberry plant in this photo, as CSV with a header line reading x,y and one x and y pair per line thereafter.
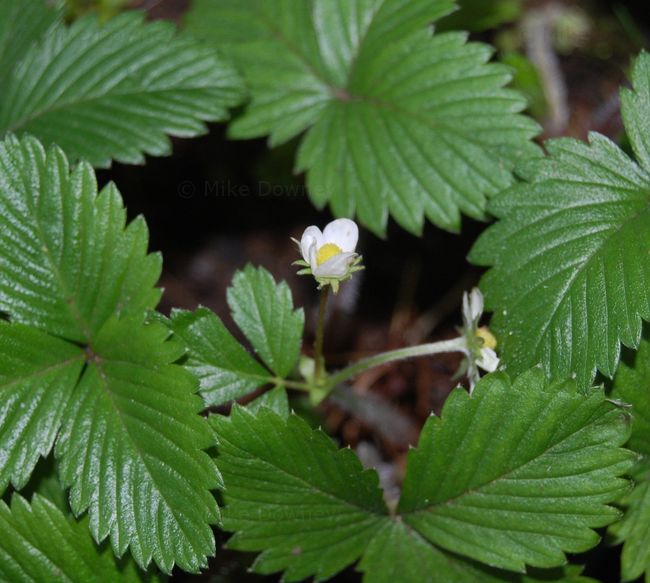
x,y
130,436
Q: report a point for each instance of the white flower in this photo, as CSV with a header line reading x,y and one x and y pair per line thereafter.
x,y
479,343
330,255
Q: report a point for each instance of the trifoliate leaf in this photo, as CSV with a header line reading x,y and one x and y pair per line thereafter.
x,y
632,385
264,311
114,90
570,274
397,121
22,23
399,553
518,473
38,543
67,262
310,508
224,369
77,360
37,376
130,448
515,475
570,252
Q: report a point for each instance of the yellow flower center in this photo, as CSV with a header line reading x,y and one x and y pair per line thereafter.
x,y
489,341
326,252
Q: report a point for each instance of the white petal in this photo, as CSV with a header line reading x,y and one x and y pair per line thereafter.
x,y
312,254
475,304
337,266
468,324
311,236
489,360
342,232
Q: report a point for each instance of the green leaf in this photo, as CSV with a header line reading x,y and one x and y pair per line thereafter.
x,y
22,23
397,121
37,377
291,494
130,448
224,369
67,262
631,385
518,473
398,553
114,90
570,274
526,78
480,15
515,475
634,528
45,482
635,105
276,399
570,261
79,366
264,311
39,543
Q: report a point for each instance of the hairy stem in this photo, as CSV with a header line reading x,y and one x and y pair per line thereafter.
x,y
320,334
455,345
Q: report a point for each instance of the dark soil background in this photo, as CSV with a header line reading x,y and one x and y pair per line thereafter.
x,y
215,205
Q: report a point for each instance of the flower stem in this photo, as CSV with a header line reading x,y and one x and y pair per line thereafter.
x,y
455,345
320,334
